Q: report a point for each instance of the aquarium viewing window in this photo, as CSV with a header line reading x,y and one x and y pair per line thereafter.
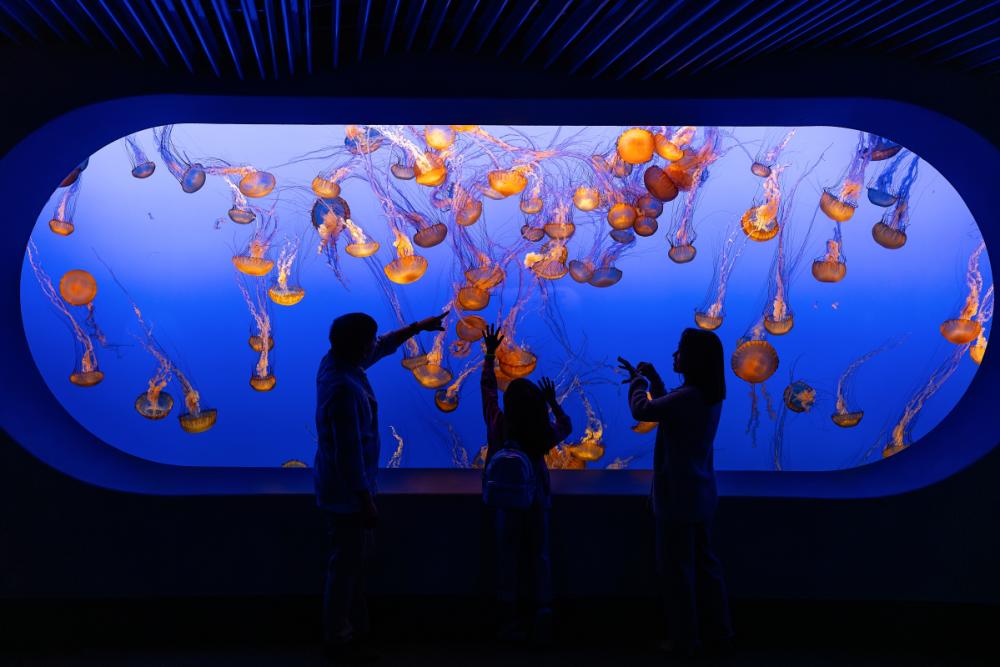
x,y
177,287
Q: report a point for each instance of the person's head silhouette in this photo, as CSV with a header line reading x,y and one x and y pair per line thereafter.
x,y
526,415
352,338
700,360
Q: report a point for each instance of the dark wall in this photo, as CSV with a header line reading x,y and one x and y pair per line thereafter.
x,y
60,537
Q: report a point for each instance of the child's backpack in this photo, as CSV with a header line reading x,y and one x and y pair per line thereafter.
x,y
509,479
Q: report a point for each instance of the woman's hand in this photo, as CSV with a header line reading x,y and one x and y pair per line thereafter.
x,y
647,370
548,388
492,339
633,373
432,323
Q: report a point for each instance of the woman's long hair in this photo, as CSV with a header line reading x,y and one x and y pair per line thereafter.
x,y
526,416
704,365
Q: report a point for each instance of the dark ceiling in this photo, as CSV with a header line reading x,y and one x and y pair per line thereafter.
x,y
650,40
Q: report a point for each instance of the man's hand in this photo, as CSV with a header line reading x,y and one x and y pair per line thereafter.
x,y
633,373
646,369
432,323
548,388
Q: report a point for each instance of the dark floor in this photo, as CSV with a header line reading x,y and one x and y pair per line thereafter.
x,y
265,632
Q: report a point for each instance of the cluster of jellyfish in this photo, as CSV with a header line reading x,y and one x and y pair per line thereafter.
x,y
433,185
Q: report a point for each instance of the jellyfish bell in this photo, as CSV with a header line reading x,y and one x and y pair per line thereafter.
x,y
884,149
471,297
581,270
362,250
754,361
847,419
649,206
491,193
645,225
682,253
257,184
439,137
533,234
294,463
621,216
681,175
86,378
432,376
402,171
445,401
960,331
470,213
77,287
61,227
470,328
154,407
507,182
659,184
829,270
362,140
322,209
558,230
263,382
881,197
531,205
193,178
256,343
799,396
835,208
586,198
621,169
325,188
977,351
199,422
242,216
665,148
431,171
253,266
428,237
410,363
888,237
503,379
779,326
605,276
406,269
759,227
144,169
286,296
516,362
623,236
760,169
485,277
636,145
707,322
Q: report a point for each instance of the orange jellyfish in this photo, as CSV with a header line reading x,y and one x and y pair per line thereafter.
x,y
883,149
560,458
681,235
965,328
326,184
605,273
590,447
446,399
190,175
764,164
294,463
901,435
669,145
362,139
241,212
428,234
636,145
798,398
407,267
586,198
839,203
467,209
760,221
560,226
74,174
685,172
154,403
507,182
844,417
282,292
360,246
253,260
978,349
754,361
439,137
470,328
890,231
832,266
659,184
432,374
86,372
711,314
61,222
261,339
142,166
550,262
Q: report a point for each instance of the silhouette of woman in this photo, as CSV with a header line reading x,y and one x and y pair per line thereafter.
x,y
523,534
683,493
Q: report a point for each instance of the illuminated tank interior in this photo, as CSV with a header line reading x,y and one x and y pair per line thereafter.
x,y
178,286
